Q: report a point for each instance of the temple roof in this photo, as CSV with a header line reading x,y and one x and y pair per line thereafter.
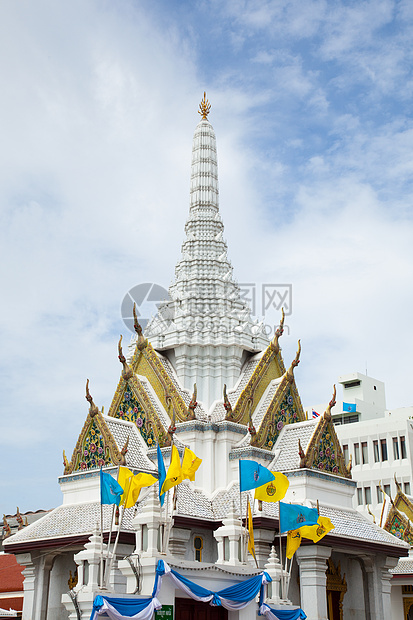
x,y
399,520
312,444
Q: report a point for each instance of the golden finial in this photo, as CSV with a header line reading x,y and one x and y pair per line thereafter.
x,y
127,373
294,363
123,453
142,342
190,414
371,514
327,413
65,461
204,108
227,404
93,410
278,332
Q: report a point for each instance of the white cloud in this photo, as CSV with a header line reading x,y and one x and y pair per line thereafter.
x,y
97,115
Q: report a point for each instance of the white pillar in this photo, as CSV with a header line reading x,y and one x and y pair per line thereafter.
x,y
90,554
25,559
231,529
386,578
312,561
149,518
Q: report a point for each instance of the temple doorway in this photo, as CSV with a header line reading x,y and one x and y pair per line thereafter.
x,y
188,609
336,589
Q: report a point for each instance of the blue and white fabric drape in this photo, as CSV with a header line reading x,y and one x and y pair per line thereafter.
x,y
235,597
122,608
232,598
281,614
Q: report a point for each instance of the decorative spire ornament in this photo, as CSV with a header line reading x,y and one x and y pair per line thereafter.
x,y
93,410
204,108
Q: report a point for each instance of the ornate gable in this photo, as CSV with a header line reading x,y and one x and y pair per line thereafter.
x,y
270,367
285,408
399,525
402,503
95,446
132,403
145,362
324,451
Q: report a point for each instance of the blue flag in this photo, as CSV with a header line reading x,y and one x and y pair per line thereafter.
x,y
294,516
162,475
253,475
110,490
349,407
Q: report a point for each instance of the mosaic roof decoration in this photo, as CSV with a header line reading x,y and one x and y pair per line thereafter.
x,y
271,366
285,408
324,451
95,446
399,525
132,403
400,516
146,362
402,503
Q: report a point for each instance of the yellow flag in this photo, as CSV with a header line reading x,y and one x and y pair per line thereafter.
x,y
136,484
293,542
174,473
190,464
273,491
251,544
317,532
124,477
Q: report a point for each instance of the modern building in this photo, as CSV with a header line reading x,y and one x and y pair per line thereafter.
x,y
205,377
378,441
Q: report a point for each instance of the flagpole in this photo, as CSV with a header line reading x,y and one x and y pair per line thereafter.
x,y
281,551
242,529
115,546
101,546
112,519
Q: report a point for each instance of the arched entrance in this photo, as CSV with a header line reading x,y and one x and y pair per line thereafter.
x,y
188,609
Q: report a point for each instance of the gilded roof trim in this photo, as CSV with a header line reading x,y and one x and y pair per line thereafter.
x,y
145,362
324,452
270,420
271,366
111,454
153,421
402,503
399,525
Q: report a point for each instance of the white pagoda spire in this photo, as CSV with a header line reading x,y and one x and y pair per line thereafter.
x,y
205,329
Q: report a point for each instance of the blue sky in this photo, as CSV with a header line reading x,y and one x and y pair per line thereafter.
x,y
311,104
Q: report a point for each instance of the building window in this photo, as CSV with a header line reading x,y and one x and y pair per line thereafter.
x,y
376,451
407,488
198,546
226,548
144,537
350,419
367,495
356,454
395,448
403,447
359,496
345,454
364,453
387,489
351,384
379,495
383,447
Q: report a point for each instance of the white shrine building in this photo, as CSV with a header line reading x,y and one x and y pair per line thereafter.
x,y
246,405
